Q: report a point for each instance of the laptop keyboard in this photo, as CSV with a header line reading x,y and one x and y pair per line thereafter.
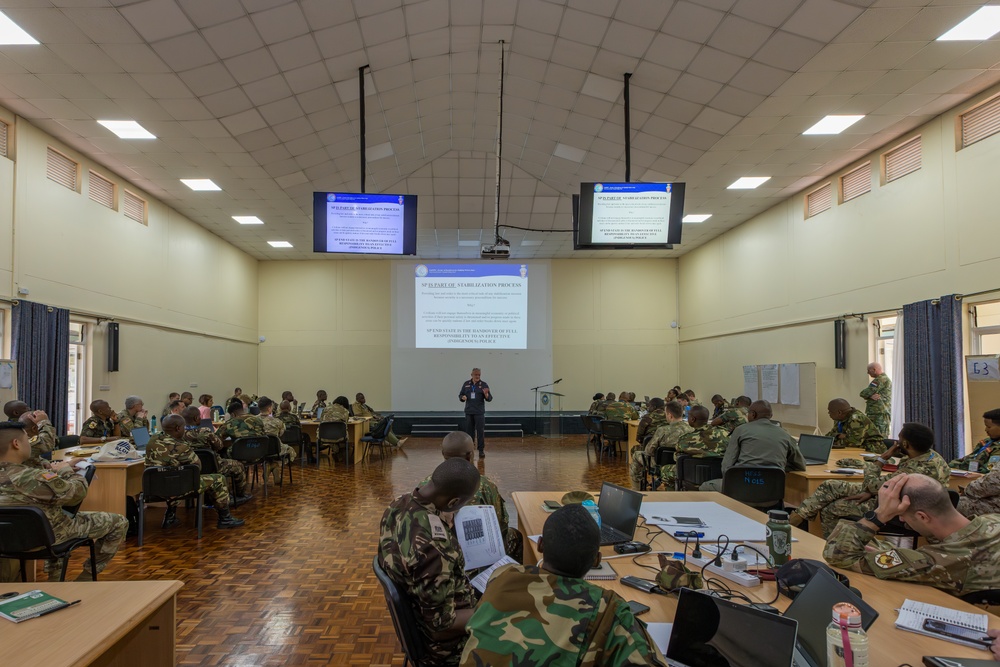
x,y
611,536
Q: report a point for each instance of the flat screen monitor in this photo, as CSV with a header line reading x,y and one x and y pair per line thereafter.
x,y
364,224
629,215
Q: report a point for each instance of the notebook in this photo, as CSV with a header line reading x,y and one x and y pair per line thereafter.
x,y
815,448
140,436
709,631
913,614
603,572
619,509
29,605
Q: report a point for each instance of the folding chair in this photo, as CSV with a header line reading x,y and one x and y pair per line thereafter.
x,y
293,438
403,619
274,454
692,472
26,534
762,487
377,440
252,451
169,483
613,433
332,433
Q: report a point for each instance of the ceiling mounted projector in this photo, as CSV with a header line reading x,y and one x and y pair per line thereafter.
x,y
498,250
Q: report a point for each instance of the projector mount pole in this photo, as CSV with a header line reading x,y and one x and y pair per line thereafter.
x,y
361,104
496,209
628,132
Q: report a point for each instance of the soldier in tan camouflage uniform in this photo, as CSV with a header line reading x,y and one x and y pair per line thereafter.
x,y
534,615
703,441
337,411
276,427
962,556
320,401
602,405
101,426
654,418
835,499
203,437
41,434
852,428
419,551
360,408
733,416
665,436
598,397
133,416
987,452
170,449
878,399
692,399
51,489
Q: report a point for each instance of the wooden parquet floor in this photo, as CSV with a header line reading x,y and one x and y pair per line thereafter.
x,y
294,586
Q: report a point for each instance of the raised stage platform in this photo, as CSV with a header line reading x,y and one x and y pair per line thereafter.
x,y
498,424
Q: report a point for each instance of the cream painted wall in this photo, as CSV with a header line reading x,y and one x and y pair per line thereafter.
x,y
158,281
927,234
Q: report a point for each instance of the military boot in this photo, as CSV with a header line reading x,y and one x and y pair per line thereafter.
x,y
227,520
170,517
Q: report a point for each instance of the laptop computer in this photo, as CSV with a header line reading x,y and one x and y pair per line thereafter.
x,y
815,448
711,632
811,608
619,509
319,413
140,436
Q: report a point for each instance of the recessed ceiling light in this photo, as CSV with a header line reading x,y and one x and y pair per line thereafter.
x,y
200,184
127,129
530,242
602,88
248,220
12,33
470,244
982,24
833,124
279,244
571,153
748,182
696,217
379,151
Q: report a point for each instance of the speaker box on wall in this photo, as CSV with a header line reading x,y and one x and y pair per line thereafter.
x,y
112,346
840,344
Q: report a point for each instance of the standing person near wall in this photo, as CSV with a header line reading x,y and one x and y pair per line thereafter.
x,y
878,398
475,393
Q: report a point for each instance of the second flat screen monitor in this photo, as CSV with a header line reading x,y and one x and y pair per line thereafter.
x,y
629,215
364,224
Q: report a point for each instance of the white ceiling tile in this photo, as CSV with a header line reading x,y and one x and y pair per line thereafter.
x,y
233,38
157,19
384,27
205,14
821,19
691,21
252,66
715,65
243,122
137,58
296,52
281,23
583,27
185,52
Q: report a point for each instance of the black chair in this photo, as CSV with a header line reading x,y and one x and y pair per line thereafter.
x,y
594,429
88,475
377,439
613,433
692,471
661,457
167,484
331,432
274,455
990,598
210,466
293,438
26,534
403,619
252,451
762,487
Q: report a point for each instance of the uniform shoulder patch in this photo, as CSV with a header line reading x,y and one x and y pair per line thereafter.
x,y
92,424
49,476
438,531
888,559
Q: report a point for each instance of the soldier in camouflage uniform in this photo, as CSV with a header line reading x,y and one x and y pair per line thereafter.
x,y
203,437
665,436
961,556
240,424
981,496
360,408
620,410
692,399
337,411
170,449
852,428
133,416
703,441
987,452
41,434
652,420
878,399
550,615
835,499
51,489
602,406
733,416
720,406
101,426
598,397
419,551
320,401
276,427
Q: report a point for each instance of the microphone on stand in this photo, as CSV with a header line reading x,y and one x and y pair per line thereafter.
x,y
557,381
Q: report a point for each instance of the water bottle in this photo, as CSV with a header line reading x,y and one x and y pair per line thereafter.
x,y
845,637
594,512
779,537
152,424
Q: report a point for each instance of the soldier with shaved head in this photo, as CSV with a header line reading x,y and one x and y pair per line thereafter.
x,y
852,428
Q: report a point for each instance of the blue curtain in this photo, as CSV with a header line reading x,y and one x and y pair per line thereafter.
x,y
41,349
932,384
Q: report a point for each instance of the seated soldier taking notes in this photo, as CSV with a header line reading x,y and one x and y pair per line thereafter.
x,y
986,453
853,428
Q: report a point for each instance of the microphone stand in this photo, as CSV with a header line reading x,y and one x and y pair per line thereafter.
x,y
535,389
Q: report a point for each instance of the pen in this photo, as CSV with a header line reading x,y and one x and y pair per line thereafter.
x,y
49,611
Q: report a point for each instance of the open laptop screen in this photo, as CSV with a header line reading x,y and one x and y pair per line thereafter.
x,y
815,447
140,436
619,507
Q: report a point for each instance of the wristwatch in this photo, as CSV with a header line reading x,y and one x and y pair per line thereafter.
x,y
873,518
104,438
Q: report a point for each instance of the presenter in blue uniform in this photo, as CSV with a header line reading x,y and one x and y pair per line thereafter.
x,y
475,393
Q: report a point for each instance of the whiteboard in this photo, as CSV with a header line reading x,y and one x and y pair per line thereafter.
x,y
8,380
793,388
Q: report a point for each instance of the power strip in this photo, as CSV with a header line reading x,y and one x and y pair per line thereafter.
x,y
741,578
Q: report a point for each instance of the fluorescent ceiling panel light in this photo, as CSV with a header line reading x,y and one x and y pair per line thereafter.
x,y
470,244
12,33
696,217
981,25
530,242
748,182
602,88
571,153
200,184
378,152
833,124
127,129
248,220
279,244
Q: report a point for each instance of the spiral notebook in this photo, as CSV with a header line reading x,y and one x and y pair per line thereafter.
x,y
603,572
913,614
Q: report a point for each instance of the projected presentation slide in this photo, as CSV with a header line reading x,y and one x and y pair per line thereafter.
x,y
363,223
631,213
471,306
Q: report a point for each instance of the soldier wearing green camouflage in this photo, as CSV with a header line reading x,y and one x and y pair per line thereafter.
x,y
133,416
602,406
987,452
419,551
320,402
692,399
360,408
276,427
598,398
101,426
550,615
620,411
664,436
41,435
169,448
703,441
240,424
720,405
287,417
852,428
337,411
51,489
203,437
733,416
836,499
961,556
878,399
652,420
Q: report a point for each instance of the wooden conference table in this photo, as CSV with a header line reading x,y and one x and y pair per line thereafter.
x,y
357,427
889,646
119,623
112,482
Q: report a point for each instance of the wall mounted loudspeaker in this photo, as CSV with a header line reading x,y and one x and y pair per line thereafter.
x,y
112,346
840,344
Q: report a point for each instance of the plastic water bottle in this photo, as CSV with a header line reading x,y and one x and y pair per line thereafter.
x,y
845,637
594,512
152,424
779,537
